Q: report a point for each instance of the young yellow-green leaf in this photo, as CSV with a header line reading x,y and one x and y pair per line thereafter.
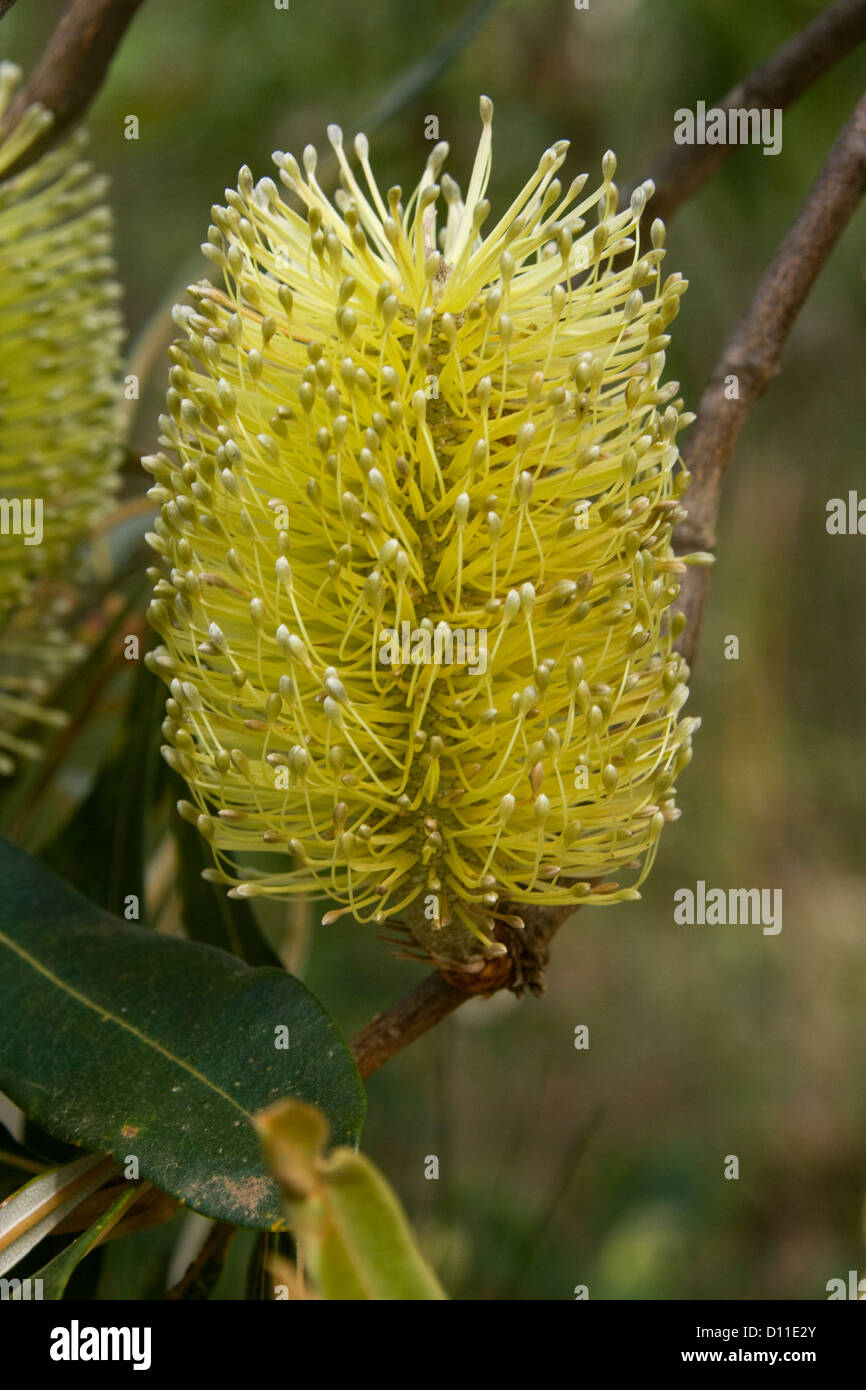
x,y
139,1045
57,1273
31,1213
356,1241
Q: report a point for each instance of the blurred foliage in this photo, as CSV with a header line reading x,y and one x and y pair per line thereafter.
x,y
703,1042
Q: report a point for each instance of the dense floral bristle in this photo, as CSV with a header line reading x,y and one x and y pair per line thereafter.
x,y
388,422
61,330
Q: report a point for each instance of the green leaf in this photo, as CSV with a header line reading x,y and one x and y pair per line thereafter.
x,y
208,913
105,845
135,1268
131,1043
232,1286
73,754
17,1163
356,1241
414,80
32,1212
57,1273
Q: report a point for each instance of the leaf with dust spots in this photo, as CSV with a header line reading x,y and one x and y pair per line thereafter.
x,y
130,1043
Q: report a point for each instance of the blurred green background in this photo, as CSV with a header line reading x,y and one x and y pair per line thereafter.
x,y
602,1167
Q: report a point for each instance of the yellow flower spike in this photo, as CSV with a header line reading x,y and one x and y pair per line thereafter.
x,y
415,528
59,456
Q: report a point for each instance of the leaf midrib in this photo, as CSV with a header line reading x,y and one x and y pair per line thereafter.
x,y
121,1022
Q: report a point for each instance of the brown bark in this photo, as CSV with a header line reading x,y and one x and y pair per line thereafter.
x,y
679,171
72,68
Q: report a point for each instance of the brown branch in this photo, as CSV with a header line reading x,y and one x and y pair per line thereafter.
x,y
752,352
72,68
442,992
680,170
389,1032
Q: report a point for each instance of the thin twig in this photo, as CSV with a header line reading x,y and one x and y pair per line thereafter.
x,y
751,353
201,1276
391,1031
440,994
72,68
680,170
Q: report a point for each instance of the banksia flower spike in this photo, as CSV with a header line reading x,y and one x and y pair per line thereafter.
x,y
60,330
416,541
